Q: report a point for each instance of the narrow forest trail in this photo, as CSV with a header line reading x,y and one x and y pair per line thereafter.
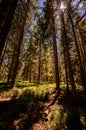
x,y
33,112
61,104
48,110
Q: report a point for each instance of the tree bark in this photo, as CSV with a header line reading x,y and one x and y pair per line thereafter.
x,y
65,60
82,74
81,48
56,65
57,77
7,10
16,54
39,67
68,56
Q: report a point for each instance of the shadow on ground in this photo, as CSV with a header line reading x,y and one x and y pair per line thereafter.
x,y
20,113
72,114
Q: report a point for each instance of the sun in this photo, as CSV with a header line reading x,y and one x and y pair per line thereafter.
x,y
62,7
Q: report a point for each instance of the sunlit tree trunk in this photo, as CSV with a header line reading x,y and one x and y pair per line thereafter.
x,y
39,66
30,73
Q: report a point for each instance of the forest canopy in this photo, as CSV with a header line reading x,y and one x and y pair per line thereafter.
x,y
43,41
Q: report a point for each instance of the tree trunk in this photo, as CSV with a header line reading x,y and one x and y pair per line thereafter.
x,y
17,51
65,60
7,10
30,75
56,64
12,64
81,48
57,77
82,74
68,56
39,67
2,56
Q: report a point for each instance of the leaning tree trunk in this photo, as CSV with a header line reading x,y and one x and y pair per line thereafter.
x,y
7,10
17,51
2,56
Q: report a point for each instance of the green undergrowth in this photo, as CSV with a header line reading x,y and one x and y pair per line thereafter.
x,y
41,91
64,118
26,105
21,112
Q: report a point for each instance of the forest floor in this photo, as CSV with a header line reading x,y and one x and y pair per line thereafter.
x,y
29,106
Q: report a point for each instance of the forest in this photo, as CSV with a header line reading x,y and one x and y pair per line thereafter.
x,y
42,64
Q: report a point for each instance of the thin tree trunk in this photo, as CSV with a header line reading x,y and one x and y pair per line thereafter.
x,y
30,75
12,64
39,67
82,48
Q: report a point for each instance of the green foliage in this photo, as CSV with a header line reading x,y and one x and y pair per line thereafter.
x,y
64,118
27,104
24,87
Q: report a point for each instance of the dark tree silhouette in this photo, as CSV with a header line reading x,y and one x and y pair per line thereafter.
x,y
7,10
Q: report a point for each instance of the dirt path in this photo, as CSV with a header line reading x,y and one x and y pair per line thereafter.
x,y
40,125
4,99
